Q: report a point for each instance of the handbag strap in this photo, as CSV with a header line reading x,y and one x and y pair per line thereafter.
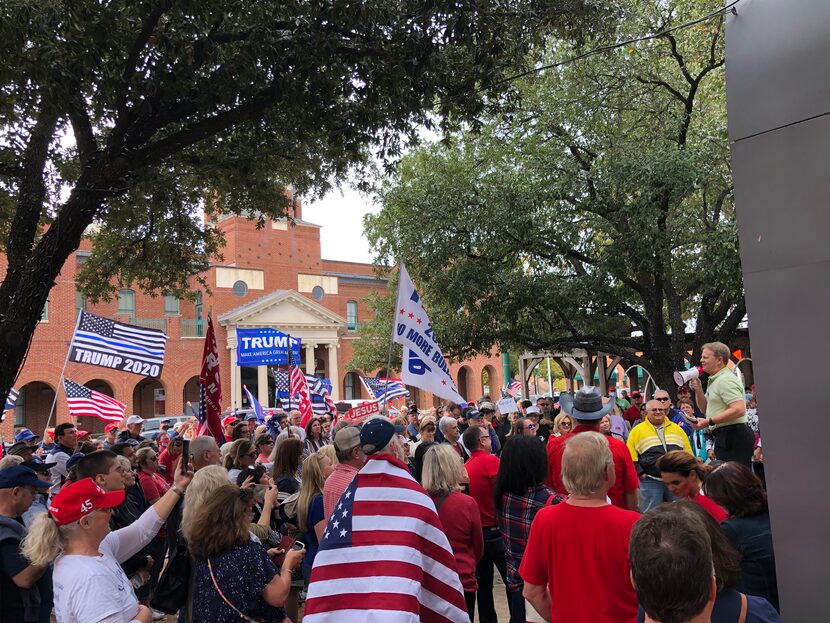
x,y
742,616
241,614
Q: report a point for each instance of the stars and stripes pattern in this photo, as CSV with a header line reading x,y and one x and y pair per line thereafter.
x,y
392,388
298,386
108,337
85,402
384,555
321,401
513,388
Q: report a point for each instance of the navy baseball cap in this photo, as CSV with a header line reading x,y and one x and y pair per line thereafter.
x,y
24,434
472,413
377,432
19,476
73,460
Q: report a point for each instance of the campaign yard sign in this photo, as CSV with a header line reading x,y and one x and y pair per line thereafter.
x,y
264,347
359,413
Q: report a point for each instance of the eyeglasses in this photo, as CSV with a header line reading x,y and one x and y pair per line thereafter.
x,y
253,455
664,399
530,426
565,425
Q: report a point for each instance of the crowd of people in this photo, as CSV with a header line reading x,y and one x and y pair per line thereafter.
x,y
591,508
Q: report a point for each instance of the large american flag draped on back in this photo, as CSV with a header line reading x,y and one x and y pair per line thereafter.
x,y
210,389
384,555
103,342
87,402
393,388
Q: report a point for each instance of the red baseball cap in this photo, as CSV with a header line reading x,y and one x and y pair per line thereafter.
x,y
109,427
82,433
230,419
79,499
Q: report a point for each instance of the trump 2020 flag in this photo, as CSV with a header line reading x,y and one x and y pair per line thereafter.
x,y
424,365
103,342
384,555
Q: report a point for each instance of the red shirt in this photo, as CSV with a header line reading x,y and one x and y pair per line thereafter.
x,y
482,469
462,524
581,554
335,485
153,486
714,510
627,479
632,413
169,461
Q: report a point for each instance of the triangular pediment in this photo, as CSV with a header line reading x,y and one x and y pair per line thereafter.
x,y
282,308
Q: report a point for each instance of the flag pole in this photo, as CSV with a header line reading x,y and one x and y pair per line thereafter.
x,y
388,365
63,370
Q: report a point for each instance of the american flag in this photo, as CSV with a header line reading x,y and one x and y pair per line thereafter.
x,y
87,402
513,388
384,555
106,339
321,401
393,388
298,386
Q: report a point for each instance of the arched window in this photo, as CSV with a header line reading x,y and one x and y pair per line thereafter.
x,y
126,304
351,315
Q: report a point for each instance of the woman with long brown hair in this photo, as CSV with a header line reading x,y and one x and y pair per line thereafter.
x,y
683,475
218,539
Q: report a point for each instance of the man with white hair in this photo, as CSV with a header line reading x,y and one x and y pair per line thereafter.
x,y
565,578
204,451
386,519
449,429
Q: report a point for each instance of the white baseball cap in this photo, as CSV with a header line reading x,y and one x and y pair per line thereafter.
x,y
134,419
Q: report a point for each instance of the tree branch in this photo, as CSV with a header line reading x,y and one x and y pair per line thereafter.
x,y
82,129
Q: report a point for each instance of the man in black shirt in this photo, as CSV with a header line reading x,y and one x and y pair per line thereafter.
x,y
26,589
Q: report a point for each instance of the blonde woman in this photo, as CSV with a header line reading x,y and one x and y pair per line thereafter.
x,y
443,472
241,455
562,424
310,517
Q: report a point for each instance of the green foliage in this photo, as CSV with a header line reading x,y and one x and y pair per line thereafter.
x,y
597,214
371,349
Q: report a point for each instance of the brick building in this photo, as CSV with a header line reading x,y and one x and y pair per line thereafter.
x,y
269,277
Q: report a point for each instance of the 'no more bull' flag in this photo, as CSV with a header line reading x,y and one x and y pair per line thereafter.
x,y
423,362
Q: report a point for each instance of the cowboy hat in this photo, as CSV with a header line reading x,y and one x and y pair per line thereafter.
x,y
586,404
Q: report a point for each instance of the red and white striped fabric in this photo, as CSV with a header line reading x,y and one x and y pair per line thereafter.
x,y
83,402
384,556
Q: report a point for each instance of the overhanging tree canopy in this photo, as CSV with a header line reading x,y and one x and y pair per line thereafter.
x,y
128,113
598,215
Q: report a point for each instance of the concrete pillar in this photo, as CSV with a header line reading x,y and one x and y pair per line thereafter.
x,y
334,373
236,381
309,357
262,386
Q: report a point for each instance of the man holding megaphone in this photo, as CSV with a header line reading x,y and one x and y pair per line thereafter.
x,y
724,404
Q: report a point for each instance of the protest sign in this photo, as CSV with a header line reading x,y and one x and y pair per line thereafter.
x,y
507,405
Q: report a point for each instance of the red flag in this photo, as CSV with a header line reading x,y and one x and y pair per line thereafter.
x,y
210,390
298,386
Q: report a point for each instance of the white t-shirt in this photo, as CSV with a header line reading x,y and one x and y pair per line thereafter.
x,y
91,589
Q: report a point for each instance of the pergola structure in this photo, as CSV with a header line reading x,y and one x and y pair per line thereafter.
x,y
591,366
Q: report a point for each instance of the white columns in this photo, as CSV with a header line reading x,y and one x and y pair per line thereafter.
x,y
236,381
334,373
262,386
309,357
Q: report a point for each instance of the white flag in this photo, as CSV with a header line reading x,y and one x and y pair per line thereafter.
x,y
423,362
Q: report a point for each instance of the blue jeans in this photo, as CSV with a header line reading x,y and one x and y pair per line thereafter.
x,y
653,493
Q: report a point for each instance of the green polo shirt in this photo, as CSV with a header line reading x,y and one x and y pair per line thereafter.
x,y
724,388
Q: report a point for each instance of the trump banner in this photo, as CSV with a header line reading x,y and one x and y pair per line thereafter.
x,y
264,347
423,363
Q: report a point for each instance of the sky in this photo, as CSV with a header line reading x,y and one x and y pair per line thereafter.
x,y
340,212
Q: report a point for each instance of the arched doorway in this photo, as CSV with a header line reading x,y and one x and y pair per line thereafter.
x,y
94,424
489,383
190,394
33,406
148,398
463,381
